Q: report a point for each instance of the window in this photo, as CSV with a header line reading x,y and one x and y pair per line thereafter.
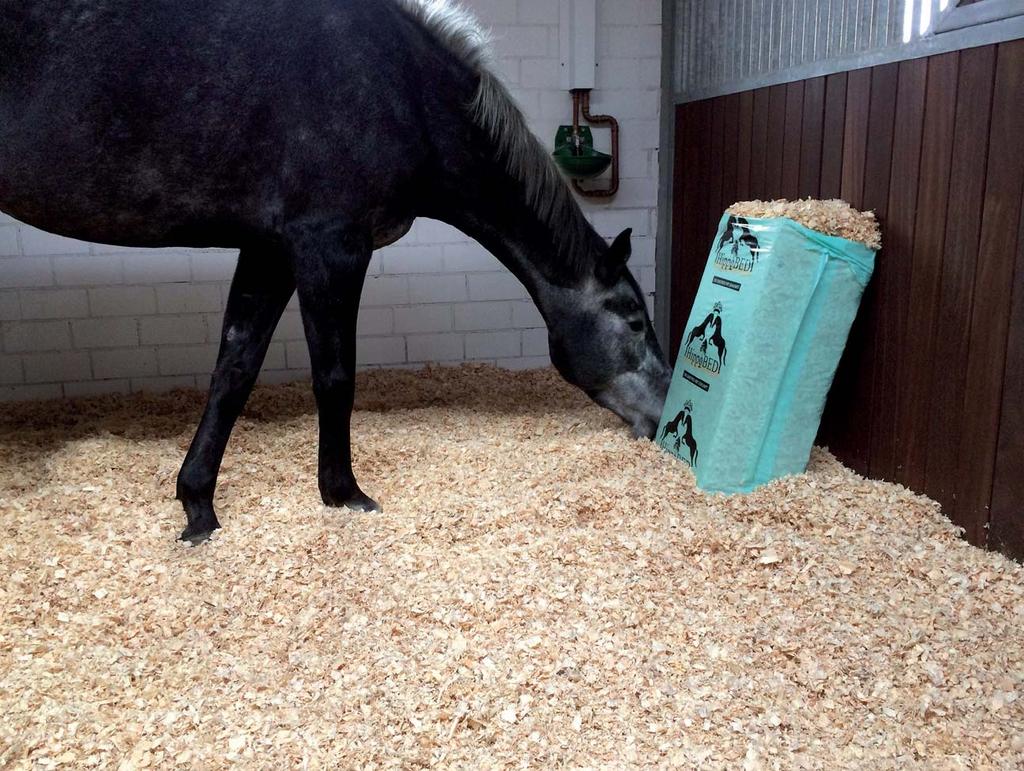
x,y
934,17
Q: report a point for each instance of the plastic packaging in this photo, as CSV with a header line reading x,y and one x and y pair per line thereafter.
x,y
760,349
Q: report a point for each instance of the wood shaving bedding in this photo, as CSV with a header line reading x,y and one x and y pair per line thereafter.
x,y
833,217
541,590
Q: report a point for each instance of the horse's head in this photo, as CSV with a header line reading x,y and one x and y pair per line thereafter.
x,y
602,341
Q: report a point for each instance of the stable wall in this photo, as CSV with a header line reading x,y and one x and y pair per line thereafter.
x,y
79,318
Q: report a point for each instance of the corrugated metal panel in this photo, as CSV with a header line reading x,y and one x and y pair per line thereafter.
x,y
719,42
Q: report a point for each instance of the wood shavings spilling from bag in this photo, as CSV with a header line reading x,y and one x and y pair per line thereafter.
x,y
541,590
832,217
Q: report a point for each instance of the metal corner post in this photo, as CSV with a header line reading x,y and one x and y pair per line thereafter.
x,y
666,163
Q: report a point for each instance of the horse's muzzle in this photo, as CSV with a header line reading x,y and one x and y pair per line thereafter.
x,y
638,399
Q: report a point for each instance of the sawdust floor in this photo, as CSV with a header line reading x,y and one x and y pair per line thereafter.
x,y
541,590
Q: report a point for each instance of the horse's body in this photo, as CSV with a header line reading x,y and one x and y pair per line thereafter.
x,y
306,133
190,122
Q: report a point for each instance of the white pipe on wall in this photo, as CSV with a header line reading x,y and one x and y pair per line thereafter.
x,y
577,31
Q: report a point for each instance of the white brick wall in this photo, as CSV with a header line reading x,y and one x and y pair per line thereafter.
x,y
79,319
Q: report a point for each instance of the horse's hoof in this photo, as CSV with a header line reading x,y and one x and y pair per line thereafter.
x,y
199,532
362,502
357,501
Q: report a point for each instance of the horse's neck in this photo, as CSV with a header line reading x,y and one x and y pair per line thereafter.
x,y
485,201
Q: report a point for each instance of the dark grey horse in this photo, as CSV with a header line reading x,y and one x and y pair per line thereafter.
x,y
306,133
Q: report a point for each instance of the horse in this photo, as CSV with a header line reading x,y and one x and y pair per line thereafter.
x,y
716,340
306,134
699,331
686,435
746,237
712,322
672,427
688,439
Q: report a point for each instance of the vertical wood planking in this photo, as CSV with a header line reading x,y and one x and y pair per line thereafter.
x,y
845,429
869,149
686,181
1006,531
759,145
865,345
709,175
878,155
684,215
775,141
832,137
716,157
791,140
895,263
963,225
926,264
696,248
730,152
685,150
855,136
993,278
811,132
743,153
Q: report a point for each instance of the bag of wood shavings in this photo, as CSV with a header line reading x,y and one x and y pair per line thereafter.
x,y
769,324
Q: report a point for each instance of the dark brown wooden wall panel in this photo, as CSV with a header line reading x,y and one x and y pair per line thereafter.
x,y
930,392
1006,530
811,132
792,138
927,243
730,151
952,328
870,111
759,143
832,141
776,140
684,220
895,284
992,338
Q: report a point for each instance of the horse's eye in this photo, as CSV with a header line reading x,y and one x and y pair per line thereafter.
x,y
636,326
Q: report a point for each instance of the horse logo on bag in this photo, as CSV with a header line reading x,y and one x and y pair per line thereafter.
x,y
682,427
728,255
708,331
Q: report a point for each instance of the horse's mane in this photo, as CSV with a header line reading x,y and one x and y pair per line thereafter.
x,y
495,111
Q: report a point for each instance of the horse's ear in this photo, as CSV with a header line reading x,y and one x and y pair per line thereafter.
x,y
616,257
621,248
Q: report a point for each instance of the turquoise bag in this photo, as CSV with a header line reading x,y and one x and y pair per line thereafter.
x,y
760,349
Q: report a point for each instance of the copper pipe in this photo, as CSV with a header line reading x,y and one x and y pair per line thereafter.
x,y
583,95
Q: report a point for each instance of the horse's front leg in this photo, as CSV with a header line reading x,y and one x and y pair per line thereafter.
x,y
330,264
260,291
